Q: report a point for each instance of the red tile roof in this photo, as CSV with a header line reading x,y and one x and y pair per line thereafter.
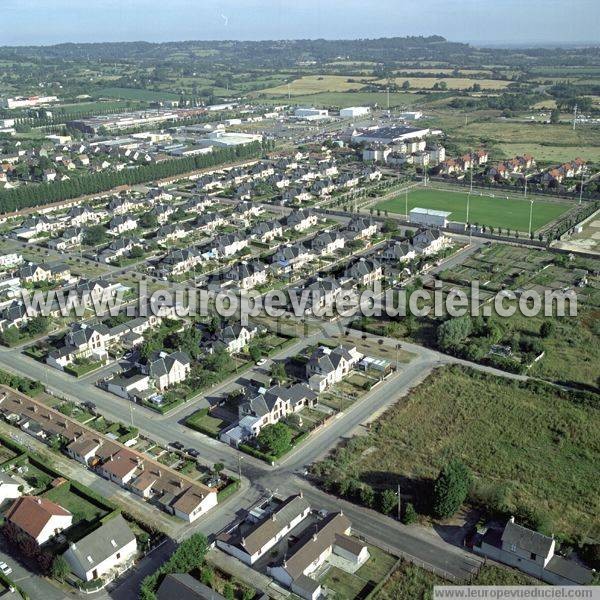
x,y
32,513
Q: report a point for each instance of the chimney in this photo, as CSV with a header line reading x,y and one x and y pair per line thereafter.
x,y
512,519
273,517
243,542
38,500
301,495
314,537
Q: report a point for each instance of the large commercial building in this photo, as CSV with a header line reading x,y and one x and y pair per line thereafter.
x,y
429,217
311,114
354,111
388,135
225,139
26,101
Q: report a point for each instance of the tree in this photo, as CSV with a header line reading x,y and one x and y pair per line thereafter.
x,y
450,489
547,329
94,235
367,496
60,568
255,352
136,252
148,220
10,336
218,467
387,501
410,514
275,439
278,372
453,332
406,85
555,116
38,325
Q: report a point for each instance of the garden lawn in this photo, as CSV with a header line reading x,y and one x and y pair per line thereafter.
x,y
483,210
82,509
535,448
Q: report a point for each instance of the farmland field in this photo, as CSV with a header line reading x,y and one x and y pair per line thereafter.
x,y
313,84
527,445
135,94
452,83
552,154
484,210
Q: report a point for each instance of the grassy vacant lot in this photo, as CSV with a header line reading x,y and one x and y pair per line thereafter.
x,y
485,210
552,154
410,582
313,84
529,445
201,421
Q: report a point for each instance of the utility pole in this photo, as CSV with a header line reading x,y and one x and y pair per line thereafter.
x,y
581,188
471,165
131,412
530,215
240,467
399,503
525,186
574,116
406,203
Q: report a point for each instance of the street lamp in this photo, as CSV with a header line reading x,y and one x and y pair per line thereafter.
x,y
530,215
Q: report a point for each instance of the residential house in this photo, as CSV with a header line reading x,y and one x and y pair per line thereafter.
x,y
362,228
167,370
103,553
301,220
121,223
178,262
365,271
247,275
39,518
9,488
330,536
328,366
533,553
229,244
289,259
429,241
399,251
260,537
232,338
33,273
267,231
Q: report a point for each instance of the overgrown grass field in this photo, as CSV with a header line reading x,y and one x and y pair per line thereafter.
x,y
534,448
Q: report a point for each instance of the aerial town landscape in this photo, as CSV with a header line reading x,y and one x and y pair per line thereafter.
x,y
308,315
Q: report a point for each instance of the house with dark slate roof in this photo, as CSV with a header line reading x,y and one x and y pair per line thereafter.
x,y
533,553
328,366
247,275
365,271
166,370
104,553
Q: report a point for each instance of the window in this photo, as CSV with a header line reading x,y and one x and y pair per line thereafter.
x,y
533,556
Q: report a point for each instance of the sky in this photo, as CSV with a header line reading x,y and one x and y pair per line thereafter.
x,y
42,22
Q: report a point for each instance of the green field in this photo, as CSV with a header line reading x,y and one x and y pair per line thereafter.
x,y
135,94
345,99
483,210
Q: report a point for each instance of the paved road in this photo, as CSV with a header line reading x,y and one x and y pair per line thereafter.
x,y
260,478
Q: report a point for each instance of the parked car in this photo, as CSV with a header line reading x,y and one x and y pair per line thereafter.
x,y
177,445
193,452
5,568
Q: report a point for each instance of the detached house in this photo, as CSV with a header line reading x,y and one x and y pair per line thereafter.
x,y
327,366
38,518
429,241
104,552
267,231
362,228
230,244
32,273
180,261
292,258
232,338
365,271
399,251
327,242
300,220
167,370
247,275
120,224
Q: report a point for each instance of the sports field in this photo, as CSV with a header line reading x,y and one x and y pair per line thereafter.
x,y
484,210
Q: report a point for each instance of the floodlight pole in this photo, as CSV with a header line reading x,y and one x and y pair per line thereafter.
x,y
406,203
581,187
530,215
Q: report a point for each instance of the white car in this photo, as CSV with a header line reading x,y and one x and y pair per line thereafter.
x,y
5,568
261,362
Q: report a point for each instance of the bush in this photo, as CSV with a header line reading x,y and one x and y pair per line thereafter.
x,y
388,500
275,439
410,514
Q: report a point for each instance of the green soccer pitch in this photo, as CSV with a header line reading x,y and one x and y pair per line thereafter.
x,y
484,210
